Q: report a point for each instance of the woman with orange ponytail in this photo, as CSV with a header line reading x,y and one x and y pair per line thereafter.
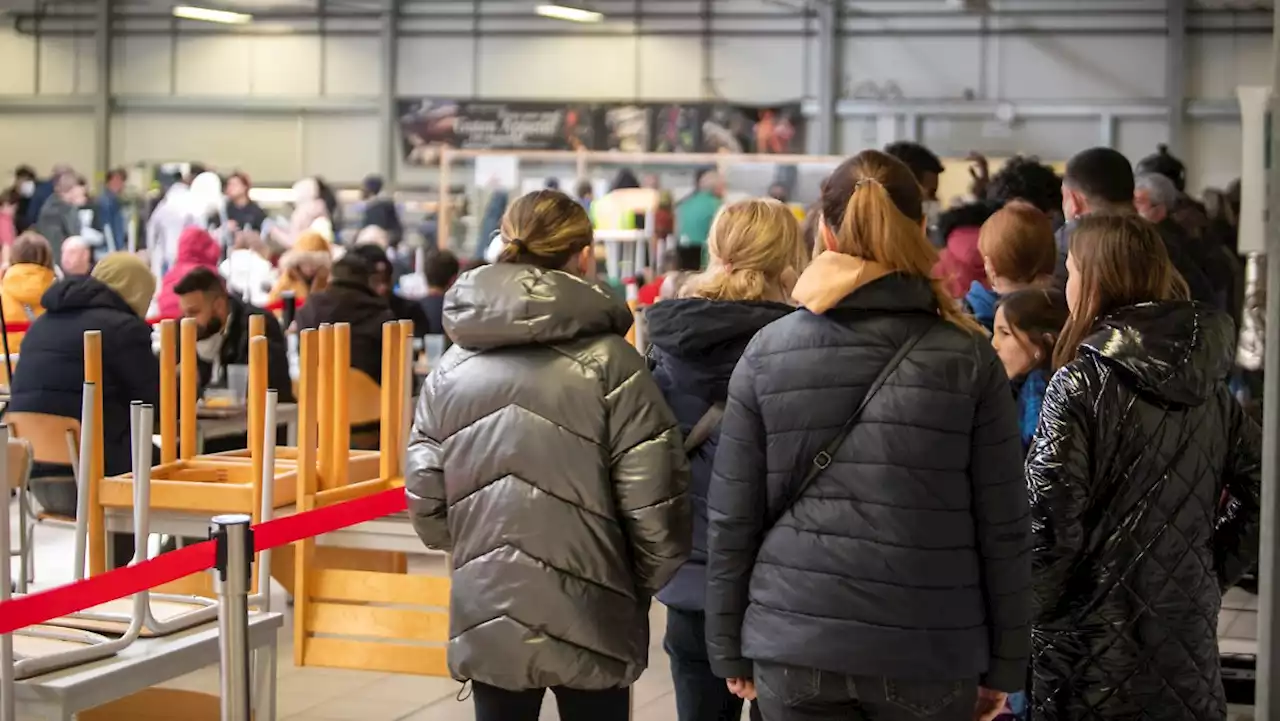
x,y
869,531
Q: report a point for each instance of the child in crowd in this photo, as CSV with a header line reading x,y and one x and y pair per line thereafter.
x,y
1027,325
1018,252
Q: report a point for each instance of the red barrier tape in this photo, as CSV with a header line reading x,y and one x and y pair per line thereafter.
x,y
37,608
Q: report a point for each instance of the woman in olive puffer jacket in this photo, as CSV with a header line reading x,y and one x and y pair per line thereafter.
x,y
1144,478
545,458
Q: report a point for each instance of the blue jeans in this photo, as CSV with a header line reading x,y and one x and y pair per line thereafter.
x,y
700,695
789,693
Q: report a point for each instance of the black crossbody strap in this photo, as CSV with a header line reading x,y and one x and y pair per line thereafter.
x,y
824,457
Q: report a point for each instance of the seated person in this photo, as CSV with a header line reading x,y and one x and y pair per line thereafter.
x,y
29,275
77,257
382,281
223,321
50,378
350,298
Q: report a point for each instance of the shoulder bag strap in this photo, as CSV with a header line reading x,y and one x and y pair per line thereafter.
x,y
824,457
703,429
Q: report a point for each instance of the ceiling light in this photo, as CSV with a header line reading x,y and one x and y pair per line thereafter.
x,y
212,16
568,12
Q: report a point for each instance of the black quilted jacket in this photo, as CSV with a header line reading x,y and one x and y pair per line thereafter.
x,y
1144,478
910,556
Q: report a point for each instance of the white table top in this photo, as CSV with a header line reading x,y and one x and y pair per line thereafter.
x,y
145,663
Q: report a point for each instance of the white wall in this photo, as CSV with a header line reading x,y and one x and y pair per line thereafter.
x,y
279,146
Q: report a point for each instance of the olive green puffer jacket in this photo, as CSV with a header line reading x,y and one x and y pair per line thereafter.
x,y
545,458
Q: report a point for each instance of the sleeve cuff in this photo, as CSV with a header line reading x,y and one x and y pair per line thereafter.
x,y
1005,675
732,668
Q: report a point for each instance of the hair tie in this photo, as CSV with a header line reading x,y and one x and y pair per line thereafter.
x,y
518,243
865,181
728,268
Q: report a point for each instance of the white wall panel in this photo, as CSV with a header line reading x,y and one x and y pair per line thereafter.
x,y
922,67
435,66
86,65
757,70
57,66
18,58
213,65
1072,67
1213,154
670,68
341,149
1221,62
352,66
45,139
557,67
285,65
1049,139
140,65
1139,138
268,148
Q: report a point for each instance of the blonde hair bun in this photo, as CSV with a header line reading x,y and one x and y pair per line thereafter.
x,y
756,248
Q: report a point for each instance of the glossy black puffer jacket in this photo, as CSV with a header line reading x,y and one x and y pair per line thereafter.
x,y
1144,477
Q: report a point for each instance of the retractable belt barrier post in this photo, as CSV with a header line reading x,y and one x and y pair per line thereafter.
x,y
8,705
232,569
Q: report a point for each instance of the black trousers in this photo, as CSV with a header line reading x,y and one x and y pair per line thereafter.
x,y
788,693
496,704
700,695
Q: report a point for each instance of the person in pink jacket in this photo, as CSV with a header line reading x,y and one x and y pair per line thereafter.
x,y
196,249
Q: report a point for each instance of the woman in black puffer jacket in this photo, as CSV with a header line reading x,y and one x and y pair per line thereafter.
x,y
756,251
897,583
1145,490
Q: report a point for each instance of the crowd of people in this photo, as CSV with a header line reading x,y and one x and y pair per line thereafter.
x,y
891,462
871,474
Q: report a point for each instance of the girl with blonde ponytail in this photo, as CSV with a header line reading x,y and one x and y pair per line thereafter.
x,y
868,549
756,252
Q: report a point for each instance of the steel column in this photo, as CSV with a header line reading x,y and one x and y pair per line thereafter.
x,y
102,93
1175,64
1266,702
387,132
829,75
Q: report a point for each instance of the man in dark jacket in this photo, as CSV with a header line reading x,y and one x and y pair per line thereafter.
x,y
695,344
1099,180
223,333
380,279
350,299
380,210
1206,263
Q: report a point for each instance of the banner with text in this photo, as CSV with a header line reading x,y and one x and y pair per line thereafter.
x,y
427,125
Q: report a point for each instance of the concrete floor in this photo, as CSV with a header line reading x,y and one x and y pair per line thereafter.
x,y
317,694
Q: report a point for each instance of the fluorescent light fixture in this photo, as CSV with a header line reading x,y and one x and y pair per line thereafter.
x,y
210,15
568,12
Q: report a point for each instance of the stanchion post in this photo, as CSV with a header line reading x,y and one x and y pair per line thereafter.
x,y
232,570
97,521
8,706
190,387
168,391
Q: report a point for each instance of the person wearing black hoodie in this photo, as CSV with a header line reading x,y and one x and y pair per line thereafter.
x,y
350,298
756,251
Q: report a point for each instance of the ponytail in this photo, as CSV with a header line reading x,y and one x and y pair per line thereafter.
x,y
756,250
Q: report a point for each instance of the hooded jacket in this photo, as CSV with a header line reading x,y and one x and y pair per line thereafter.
x,y
960,262
58,220
50,378
196,249
234,349
21,289
694,346
355,303
1144,478
981,302
544,457
909,556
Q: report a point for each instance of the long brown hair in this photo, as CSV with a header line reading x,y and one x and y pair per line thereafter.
x,y
874,207
1122,261
544,228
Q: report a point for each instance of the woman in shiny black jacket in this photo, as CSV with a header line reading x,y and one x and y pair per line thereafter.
x,y
756,252
1144,477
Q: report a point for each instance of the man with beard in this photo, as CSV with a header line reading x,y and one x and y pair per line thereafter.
x,y
223,334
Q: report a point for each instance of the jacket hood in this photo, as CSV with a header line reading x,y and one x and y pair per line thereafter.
x,y
831,277
26,282
708,331
1176,351
81,292
969,215
197,248
509,304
